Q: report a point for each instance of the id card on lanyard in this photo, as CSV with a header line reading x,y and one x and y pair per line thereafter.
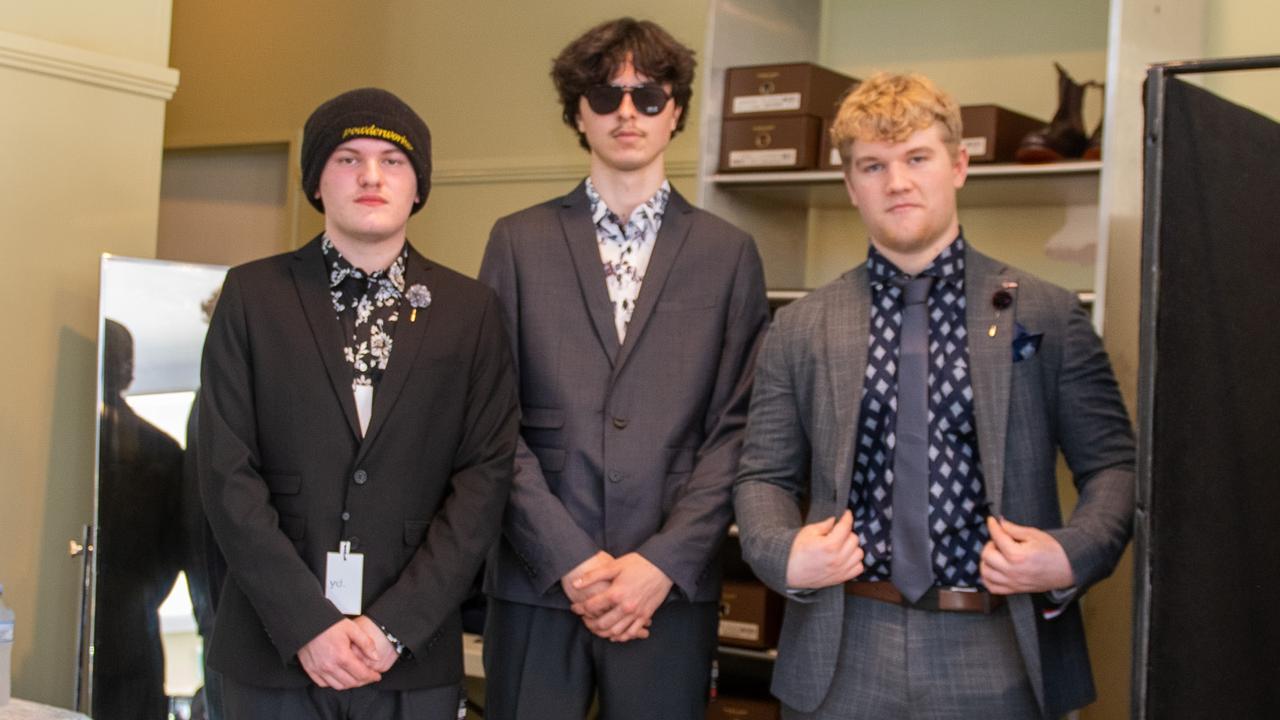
x,y
344,579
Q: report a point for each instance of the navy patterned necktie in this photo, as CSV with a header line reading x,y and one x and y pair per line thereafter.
x,y
911,569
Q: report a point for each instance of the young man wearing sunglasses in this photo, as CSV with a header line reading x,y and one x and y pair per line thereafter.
x,y
634,318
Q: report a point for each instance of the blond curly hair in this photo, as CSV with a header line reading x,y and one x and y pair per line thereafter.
x,y
889,107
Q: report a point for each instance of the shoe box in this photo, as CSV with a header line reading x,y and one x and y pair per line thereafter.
x,y
774,116
992,133
750,615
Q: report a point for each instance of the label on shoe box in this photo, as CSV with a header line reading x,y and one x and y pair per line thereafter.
x,y
736,630
780,157
974,145
777,102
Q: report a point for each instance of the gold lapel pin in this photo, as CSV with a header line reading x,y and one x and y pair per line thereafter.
x,y
1002,299
419,297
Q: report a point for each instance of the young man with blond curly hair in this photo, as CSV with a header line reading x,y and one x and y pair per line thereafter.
x,y
919,403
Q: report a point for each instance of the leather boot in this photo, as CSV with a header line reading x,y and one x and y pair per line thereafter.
x,y
1093,151
1063,137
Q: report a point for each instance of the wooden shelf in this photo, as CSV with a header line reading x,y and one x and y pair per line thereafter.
x,y
995,185
767,655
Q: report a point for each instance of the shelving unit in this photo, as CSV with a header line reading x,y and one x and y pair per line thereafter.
x,y
995,185
801,220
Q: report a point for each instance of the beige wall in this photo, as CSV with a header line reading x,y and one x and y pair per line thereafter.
x,y
477,72
1238,29
131,29
197,189
84,90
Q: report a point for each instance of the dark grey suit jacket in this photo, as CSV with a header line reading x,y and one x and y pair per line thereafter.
x,y
632,447
281,457
802,428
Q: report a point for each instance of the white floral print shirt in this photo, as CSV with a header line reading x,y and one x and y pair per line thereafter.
x,y
625,249
368,306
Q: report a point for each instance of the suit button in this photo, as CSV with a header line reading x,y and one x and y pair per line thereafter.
x,y
619,423
361,477
615,476
345,516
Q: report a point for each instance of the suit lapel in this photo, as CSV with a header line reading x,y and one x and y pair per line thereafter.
x,y
848,327
580,234
312,280
405,344
676,222
990,361
991,372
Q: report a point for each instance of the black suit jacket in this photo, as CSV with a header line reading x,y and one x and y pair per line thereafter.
x,y
632,446
285,474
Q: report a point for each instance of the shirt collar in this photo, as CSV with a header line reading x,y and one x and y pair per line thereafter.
x,y
947,267
651,209
340,269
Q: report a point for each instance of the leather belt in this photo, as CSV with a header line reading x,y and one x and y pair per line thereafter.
x,y
936,598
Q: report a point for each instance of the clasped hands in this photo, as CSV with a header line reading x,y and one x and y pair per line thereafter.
x,y
349,654
1018,559
616,597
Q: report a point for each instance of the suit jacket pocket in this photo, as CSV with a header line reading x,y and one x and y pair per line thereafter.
x,y
283,484
541,427
415,532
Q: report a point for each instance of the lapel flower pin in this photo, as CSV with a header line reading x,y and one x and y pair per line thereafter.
x,y
1001,300
419,297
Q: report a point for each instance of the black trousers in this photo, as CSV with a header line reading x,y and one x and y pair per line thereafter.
x,y
242,701
544,664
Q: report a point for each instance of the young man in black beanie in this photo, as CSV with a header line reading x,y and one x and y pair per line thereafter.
x,y
357,426
634,318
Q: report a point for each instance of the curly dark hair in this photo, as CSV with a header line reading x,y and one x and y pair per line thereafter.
x,y
596,56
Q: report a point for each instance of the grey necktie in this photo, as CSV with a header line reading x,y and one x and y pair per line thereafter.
x,y
911,568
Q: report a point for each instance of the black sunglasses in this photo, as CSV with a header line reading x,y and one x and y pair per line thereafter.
x,y
648,99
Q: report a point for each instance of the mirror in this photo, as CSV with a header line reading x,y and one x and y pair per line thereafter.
x,y
155,581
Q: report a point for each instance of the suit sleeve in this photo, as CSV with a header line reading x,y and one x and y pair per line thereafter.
x,y
1097,441
537,525
440,574
773,473
700,516
261,559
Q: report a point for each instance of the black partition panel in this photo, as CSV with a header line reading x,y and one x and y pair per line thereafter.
x,y
1208,606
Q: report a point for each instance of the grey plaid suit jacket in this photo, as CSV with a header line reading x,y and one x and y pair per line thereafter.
x,y
799,449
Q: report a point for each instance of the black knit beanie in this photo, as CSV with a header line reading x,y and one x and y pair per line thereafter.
x,y
367,112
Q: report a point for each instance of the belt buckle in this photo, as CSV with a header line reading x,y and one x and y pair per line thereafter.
x,y
985,597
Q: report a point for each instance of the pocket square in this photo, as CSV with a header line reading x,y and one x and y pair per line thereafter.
x,y
1025,344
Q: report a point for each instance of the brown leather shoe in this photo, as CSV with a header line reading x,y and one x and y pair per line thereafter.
x,y
1093,151
1063,137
